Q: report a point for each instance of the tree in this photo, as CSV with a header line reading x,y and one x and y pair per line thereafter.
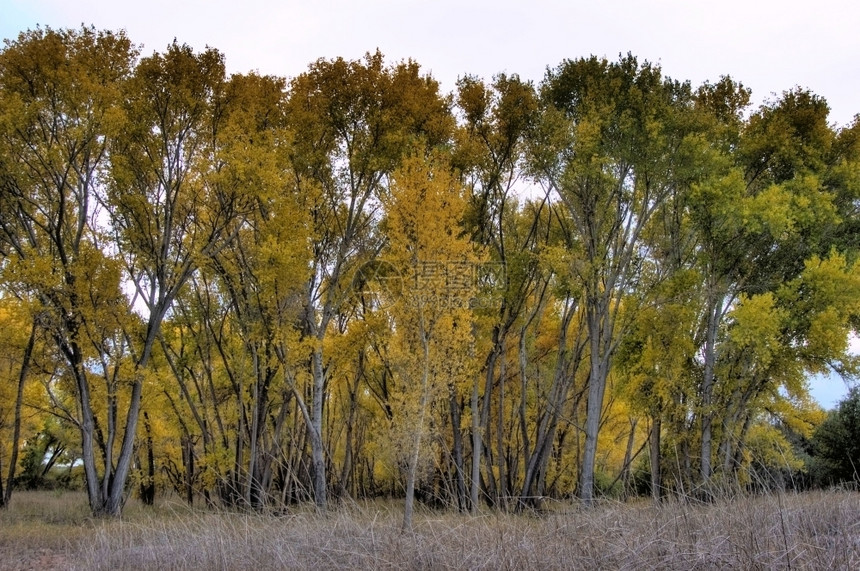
x,y
60,91
781,215
259,275
835,443
606,150
433,322
654,365
497,122
356,120
170,207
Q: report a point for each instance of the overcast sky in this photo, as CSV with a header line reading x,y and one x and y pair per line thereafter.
x,y
769,45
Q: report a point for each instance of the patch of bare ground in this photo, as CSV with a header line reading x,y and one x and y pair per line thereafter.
x,y
795,531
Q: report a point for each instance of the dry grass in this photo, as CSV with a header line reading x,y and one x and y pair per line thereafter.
x,y
807,531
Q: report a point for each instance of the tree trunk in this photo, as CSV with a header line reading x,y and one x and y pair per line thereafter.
x,y
710,357
412,469
654,449
594,405
501,489
87,428
147,485
477,447
347,468
459,468
316,432
6,495
188,464
628,457
524,429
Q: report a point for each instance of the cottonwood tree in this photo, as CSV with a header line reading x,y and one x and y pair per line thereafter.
x,y
763,211
169,210
606,149
261,274
654,368
659,353
496,122
354,121
773,341
433,321
60,91
252,284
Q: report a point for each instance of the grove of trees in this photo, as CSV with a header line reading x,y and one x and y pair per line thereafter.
x,y
257,291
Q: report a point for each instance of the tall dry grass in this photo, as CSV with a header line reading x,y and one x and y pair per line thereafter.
x,y
797,531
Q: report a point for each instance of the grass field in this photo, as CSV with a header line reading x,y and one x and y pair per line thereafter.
x,y
45,530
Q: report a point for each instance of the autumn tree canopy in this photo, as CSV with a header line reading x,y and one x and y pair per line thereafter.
x,y
257,291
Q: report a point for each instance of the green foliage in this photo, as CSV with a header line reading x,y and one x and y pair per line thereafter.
x,y
836,444
42,453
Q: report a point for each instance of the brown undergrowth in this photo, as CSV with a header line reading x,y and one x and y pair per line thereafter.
x,y
778,531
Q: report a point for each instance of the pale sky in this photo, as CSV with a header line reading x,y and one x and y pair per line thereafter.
x,y
768,45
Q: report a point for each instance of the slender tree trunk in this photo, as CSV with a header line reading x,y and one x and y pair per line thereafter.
x,y
268,463
594,405
737,460
490,489
316,432
654,449
234,496
476,450
501,490
188,462
6,495
457,452
628,457
480,416
250,494
147,486
412,469
346,469
524,430
715,310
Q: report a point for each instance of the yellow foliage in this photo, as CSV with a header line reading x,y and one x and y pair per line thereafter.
x,y
768,447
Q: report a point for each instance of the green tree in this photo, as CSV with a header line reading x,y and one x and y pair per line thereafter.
x,y
836,443
606,150
764,212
